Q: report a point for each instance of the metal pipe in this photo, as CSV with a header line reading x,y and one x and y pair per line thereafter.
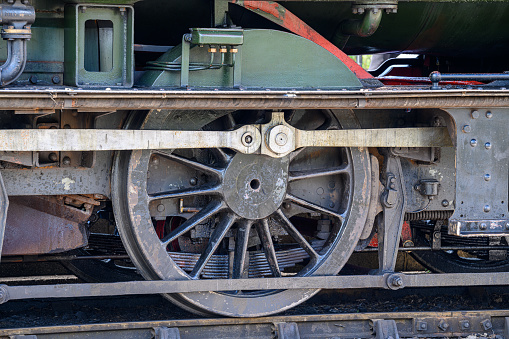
x,y
16,61
436,77
363,27
17,19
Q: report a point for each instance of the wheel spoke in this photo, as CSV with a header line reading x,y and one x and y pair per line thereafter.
x,y
186,192
191,163
205,213
239,259
295,234
222,157
300,175
268,247
215,240
296,153
313,206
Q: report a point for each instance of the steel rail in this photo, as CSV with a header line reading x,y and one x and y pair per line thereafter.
x,y
347,325
40,100
387,280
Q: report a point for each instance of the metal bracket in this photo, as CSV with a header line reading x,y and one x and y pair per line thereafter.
x,y
287,330
393,201
4,205
225,37
166,333
385,329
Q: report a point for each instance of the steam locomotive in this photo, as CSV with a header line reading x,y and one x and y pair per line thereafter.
x,y
237,140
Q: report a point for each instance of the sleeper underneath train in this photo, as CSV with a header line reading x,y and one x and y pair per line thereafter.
x,y
237,143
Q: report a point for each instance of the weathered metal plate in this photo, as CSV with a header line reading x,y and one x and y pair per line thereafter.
x,y
38,225
482,167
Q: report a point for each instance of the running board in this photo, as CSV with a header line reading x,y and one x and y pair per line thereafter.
x,y
386,281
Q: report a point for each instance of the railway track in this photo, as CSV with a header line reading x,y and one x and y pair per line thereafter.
x,y
383,325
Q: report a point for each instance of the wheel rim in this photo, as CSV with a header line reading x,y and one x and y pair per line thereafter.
x,y
243,202
452,261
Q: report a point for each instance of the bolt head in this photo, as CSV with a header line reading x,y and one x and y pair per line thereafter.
x,y
467,129
160,208
423,326
248,139
475,114
66,161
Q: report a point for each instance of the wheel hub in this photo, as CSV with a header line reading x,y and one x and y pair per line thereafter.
x,y
255,185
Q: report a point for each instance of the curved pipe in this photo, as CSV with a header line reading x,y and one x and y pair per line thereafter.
x,y
363,27
15,63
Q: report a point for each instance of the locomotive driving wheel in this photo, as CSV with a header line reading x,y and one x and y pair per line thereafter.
x,y
240,216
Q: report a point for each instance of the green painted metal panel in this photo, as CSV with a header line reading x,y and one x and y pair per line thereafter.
x,y
79,70
269,59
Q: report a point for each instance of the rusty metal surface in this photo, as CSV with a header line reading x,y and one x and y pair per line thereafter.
x,y
387,97
388,280
38,225
349,325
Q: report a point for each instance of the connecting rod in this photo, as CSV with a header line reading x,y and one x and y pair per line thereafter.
x,y
275,139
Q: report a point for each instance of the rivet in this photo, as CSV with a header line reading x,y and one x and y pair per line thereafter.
x,y
473,142
467,129
393,186
53,157
55,79
66,161
487,145
475,114
489,115
507,225
483,226
155,161
445,202
160,208
331,205
487,208
487,177
286,205
193,181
